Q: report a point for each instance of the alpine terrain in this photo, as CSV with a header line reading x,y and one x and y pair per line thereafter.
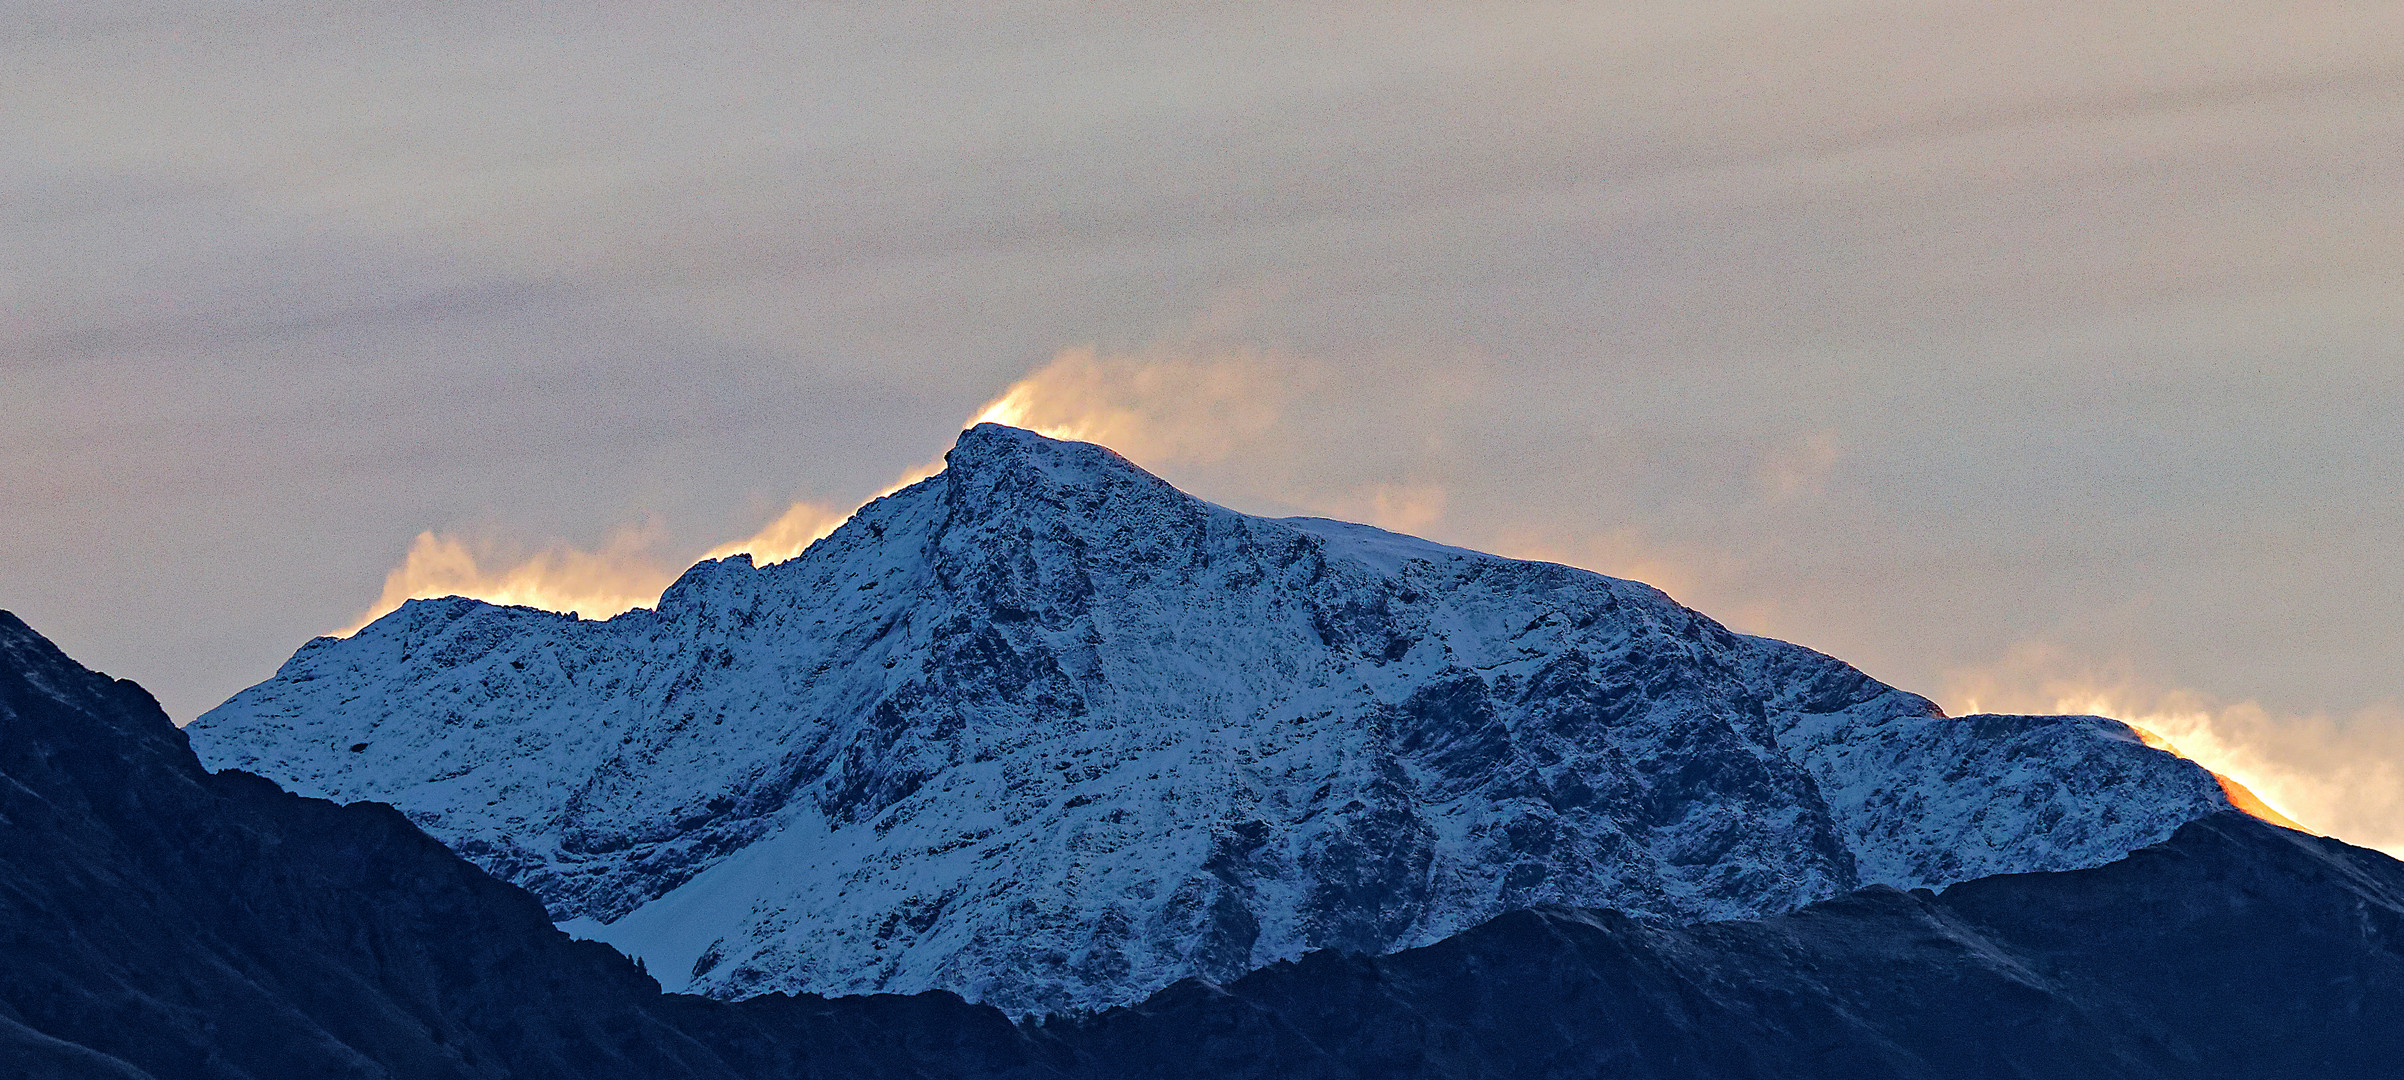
x,y
1045,731
159,922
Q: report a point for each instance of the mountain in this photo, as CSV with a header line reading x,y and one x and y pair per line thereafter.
x,y
1047,732
2233,949
159,921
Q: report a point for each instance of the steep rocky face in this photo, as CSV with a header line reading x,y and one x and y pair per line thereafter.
x,y
1047,732
159,921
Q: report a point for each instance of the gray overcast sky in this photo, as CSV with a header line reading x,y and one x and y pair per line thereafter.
x,y
2021,353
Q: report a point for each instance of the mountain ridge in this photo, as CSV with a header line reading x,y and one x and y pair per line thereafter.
x,y
165,923
2233,948
160,921
1046,731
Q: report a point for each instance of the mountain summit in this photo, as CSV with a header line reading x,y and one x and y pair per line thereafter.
x,y
1045,731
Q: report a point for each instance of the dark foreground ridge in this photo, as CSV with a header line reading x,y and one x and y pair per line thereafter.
x,y
2234,949
160,921
157,920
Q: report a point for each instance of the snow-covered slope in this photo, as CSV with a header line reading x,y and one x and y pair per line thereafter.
x,y
1048,732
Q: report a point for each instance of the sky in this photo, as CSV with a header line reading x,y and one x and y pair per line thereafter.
x,y
2029,355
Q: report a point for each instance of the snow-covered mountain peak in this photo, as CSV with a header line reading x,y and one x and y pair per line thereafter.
x,y
1046,731
996,461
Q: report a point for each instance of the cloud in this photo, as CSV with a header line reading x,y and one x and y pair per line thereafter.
x,y
1157,407
624,574
1799,467
2089,295
628,571
2340,776
1624,552
1404,508
1253,424
790,534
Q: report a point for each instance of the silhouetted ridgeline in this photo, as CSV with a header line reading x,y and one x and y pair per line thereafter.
x,y
156,920
159,920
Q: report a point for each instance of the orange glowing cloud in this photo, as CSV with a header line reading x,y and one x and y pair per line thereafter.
x,y
789,535
1623,552
1404,508
1187,404
1153,408
626,573
2240,796
1158,407
2339,777
621,576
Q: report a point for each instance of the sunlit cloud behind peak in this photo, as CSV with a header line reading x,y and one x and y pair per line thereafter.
x,y
2340,776
793,531
1837,320
1157,407
625,573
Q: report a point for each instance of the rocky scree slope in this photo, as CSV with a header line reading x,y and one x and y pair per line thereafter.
x,y
1047,732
